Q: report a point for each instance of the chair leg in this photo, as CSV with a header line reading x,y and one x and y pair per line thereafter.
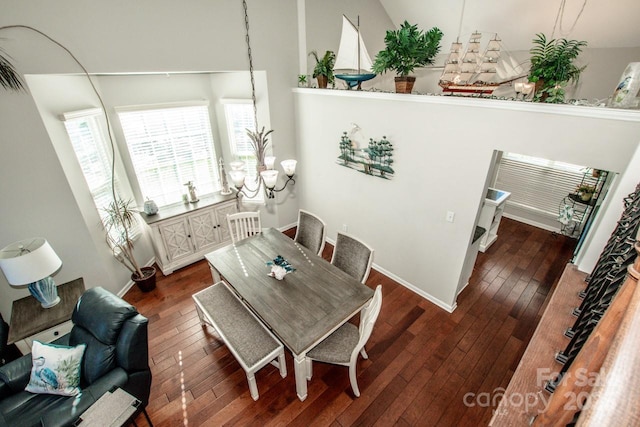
x,y
309,369
354,381
364,353
253,387
283,365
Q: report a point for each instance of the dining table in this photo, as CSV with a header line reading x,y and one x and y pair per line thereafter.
x,y
304,307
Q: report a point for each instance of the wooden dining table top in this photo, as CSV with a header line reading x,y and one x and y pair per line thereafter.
x,y
303,308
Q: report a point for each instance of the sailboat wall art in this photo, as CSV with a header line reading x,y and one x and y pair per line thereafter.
x,y
472,71
353,63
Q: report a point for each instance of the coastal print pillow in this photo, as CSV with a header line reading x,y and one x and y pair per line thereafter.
x,y
56,369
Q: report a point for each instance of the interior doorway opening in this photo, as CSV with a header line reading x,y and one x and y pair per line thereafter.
x,y
557,196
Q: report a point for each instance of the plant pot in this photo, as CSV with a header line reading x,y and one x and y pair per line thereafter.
x,y
322,81
585,197
148,281
538,87
404,84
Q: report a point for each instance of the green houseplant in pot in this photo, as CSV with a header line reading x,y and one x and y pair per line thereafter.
x,y
9,77
585,191
552,67
406,49
323,71
119,222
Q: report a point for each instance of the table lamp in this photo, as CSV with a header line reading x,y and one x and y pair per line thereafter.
x,y
32,261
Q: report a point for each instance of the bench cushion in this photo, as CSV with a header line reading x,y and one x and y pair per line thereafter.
x,y
241,331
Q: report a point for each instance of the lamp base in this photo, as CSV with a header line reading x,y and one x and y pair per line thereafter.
x,y
45,291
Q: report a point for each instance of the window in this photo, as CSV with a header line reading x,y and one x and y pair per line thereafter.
x,y
239,116
537,184
87,132
170,145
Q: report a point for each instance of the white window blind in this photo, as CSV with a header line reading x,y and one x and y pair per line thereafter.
x,y
537,184
239,117
170,146
87,133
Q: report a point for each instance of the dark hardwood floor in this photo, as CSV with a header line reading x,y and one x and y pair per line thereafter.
x,y
426,367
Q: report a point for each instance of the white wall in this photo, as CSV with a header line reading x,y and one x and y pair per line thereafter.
x,y
443,150
121,37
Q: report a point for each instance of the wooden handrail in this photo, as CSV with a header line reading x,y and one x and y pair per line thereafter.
x,y
585,372
615,399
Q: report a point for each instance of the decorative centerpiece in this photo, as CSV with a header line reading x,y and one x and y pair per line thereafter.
x,y
280,267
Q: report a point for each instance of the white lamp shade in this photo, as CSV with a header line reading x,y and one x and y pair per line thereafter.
x,y
28,261
237,165
289,166
269,161
270,177
237,177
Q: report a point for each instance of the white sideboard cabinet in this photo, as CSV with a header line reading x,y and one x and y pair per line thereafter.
x,y
182,234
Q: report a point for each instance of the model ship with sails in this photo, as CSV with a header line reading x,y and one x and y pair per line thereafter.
x,y
472,72
353,63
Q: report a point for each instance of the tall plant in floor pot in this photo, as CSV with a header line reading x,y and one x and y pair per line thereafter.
x,y
119,222
553,67
407,48
9,77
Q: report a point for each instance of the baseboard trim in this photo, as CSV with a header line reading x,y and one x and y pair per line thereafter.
x,y
532,223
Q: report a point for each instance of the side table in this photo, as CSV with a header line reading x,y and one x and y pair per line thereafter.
x,y
30,321
115,408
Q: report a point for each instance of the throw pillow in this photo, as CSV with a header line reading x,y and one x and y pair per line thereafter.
x,y
56,369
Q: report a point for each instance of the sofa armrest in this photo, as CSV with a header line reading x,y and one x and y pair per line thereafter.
x,y
16,374
133,347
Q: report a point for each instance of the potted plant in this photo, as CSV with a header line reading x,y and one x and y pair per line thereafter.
x,y
585,191
118,224
9,77
406,49
552,67
323,70
302,80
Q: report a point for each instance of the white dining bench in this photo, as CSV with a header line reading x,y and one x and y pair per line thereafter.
x,y
250,342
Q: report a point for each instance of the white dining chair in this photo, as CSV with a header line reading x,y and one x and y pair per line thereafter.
x,y
343,346
352,256
310,232
243,225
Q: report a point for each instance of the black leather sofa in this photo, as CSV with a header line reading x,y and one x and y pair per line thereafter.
x,y
116,355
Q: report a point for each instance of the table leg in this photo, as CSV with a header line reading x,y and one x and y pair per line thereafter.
x,y
300,366
214,274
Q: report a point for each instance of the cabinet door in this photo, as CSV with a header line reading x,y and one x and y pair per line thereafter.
x,y
221,216
204,229
176,237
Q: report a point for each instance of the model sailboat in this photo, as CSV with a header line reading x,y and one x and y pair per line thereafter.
x,y
353,63
472,72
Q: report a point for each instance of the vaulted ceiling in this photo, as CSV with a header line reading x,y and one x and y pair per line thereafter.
x,y
602,23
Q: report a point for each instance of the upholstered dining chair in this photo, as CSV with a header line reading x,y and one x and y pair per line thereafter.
x,y
352,256
343,346
243,225
310,232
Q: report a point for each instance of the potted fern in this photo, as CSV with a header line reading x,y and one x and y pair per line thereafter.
x,y
120,219
552,67
323,71
406,49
